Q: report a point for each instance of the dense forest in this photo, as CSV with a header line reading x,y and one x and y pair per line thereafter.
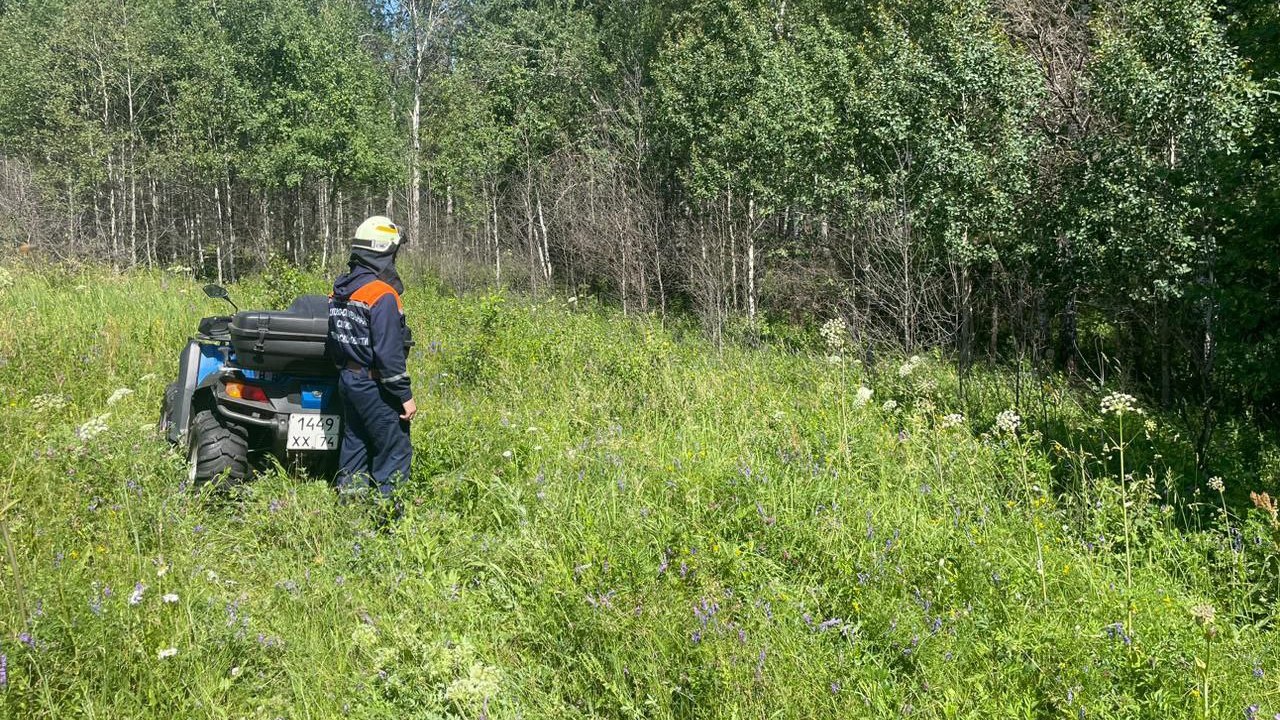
x,y
1091,186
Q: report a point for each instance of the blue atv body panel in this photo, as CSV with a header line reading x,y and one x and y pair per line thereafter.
x,y
211,362
199,366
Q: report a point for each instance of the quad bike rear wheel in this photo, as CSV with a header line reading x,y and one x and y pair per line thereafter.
x,y
219,452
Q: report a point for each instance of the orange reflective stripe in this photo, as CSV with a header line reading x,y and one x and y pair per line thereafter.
x,y
372,292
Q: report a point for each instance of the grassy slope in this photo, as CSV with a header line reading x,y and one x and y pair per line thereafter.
x,y
605,521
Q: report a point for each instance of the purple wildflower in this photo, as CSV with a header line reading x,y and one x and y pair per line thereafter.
x,y
760,665
4,671
936,625
768,520
696,637
136,596
829,624
1116,630
666,563
808,619
275,505
835,688
767,607
26,639
684,569
1251,712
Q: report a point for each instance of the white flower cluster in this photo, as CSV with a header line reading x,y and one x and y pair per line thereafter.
x,y
952,420
167,653
93,428
1203,614
1118,403
1216,484
910,366
889,405
1008,422
48,403
835,334
119,395
481,683
863,396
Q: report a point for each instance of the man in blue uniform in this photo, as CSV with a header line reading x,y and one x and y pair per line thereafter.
x,y
368,340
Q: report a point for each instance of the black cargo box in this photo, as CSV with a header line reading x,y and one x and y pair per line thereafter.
x,y
292,341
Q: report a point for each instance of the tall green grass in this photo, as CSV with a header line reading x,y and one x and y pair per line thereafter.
x,y
609,518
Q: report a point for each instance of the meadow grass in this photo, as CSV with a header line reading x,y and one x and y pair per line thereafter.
x,y
610,518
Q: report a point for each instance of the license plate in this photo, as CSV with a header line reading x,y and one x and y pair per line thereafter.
x,y
313,432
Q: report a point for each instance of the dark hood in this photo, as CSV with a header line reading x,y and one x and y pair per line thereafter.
x,y
365,262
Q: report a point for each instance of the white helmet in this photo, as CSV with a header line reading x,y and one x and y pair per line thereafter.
x,y
378,234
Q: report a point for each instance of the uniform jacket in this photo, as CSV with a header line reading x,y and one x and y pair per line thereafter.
x,y
367,327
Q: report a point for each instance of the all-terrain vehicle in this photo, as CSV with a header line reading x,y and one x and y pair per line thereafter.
x,y
255,385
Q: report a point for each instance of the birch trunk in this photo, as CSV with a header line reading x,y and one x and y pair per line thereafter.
x,y
545,251
751,259
231,233
415,122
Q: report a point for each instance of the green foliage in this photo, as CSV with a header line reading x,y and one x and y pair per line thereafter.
x,y
285,282
276,91
615,523
1170,89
